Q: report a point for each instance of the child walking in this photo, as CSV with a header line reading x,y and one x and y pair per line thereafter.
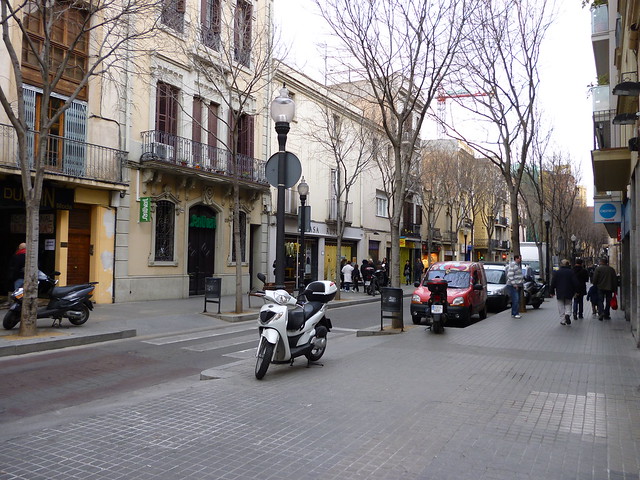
x,y
592,296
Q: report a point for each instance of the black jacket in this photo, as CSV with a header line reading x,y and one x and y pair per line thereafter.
x,y
564,283
583,277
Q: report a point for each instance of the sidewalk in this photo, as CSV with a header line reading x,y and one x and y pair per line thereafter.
x,y
503,399
159,317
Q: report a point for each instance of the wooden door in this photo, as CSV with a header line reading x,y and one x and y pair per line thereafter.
x,y
79,245
201,248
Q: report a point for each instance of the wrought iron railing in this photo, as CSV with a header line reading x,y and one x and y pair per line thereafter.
x,y
332,210
608,135
411,230
171,149
65,156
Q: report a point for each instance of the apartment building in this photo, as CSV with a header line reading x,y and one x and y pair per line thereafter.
x,y
615,152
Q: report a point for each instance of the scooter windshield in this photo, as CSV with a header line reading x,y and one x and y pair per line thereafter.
x,y
455,279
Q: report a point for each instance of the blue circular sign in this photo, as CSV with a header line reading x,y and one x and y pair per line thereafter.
x,y
608,210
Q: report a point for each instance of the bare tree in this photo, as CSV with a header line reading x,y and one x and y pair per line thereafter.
x,y
99,40
400,50
500,59
491,198
348,139
235,59
433,191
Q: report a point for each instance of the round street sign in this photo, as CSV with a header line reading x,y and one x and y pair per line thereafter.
x,y
293,170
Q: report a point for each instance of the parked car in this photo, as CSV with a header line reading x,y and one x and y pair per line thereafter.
x,y
498,297
466,292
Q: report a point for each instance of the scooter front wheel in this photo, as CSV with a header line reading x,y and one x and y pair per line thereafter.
x,y
265,353
83,317
11,319
316,352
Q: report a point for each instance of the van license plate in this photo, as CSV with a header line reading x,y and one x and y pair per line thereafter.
x,y
437,309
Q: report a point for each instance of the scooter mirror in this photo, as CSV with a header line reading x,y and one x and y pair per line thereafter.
x,y
261,276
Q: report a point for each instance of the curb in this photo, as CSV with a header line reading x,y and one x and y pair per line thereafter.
x,y
30,345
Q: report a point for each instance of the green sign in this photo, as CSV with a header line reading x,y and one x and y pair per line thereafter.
x,y
145,209
200,221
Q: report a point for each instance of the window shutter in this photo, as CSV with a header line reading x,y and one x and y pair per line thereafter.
x,y
75,128
30,117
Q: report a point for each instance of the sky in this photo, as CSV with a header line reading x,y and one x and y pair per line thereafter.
x,y
567,69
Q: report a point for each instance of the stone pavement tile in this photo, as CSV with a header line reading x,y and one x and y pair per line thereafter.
x,y
499,400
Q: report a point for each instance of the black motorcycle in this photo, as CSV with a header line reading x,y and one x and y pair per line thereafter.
x,y
72,302
438,304
378,280
534,292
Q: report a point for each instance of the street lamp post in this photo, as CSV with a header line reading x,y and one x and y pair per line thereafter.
x,y
574,239
465,233
303,191
283,110
547,266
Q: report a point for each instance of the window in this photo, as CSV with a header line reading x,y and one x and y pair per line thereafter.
x,y
242,32
243,239
166,121
164,233
68,40
66,148
210,19
382,204
173,14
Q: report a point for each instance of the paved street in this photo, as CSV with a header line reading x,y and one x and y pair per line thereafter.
x,y
502,399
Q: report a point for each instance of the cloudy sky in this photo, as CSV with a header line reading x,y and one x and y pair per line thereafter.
x,y
567,69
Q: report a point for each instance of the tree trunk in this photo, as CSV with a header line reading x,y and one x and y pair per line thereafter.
x,y
515,221
28,323
236,240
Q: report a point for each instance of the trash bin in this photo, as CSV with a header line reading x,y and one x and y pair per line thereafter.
x,y
391,305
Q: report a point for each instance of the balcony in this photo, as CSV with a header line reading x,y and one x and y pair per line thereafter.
x,y
411,230
611,157
436,236
66,157
332,211
449,237
167,149
502,222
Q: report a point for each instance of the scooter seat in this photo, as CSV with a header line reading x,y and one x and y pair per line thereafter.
x,y
299,315
62,291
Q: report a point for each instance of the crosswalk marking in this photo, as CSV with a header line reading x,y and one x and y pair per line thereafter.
x,y
203,347
200,335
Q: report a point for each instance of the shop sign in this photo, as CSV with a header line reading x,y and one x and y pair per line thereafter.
x,y
18,223
145,209
12,195
200,221
403,242
607,211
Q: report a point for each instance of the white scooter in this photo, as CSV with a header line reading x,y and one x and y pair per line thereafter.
x,y
290,327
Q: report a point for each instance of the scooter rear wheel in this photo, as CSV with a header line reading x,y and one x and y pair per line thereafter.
x,y
264,358
317,353
11,319
83,318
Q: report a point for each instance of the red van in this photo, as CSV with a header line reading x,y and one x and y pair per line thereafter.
x,y
466,292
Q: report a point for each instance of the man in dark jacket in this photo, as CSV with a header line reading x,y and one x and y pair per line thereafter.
x,y
583,277
564,285
605,278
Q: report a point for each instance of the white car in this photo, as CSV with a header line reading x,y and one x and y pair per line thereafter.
x,y
498,298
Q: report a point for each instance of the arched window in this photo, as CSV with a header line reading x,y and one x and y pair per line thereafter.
x,y
165,231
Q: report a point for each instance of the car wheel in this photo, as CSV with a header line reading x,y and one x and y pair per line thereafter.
x,y
416,319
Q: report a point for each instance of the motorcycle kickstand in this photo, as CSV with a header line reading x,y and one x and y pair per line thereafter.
x,y
59,320
314,364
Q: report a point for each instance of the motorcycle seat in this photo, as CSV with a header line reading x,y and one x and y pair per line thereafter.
x,y
299,315
62,291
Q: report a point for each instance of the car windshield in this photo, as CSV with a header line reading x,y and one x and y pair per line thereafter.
x,y
496,276
456,278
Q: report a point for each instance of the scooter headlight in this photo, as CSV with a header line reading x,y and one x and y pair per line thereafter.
x,y
18,294
267,316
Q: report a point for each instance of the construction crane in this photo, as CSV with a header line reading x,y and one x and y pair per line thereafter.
x,y
442,108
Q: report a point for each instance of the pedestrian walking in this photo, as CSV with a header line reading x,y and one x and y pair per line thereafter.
x,y
366,272
418,268
407,272
592,296
583,277
606,280
347,272
515,281
355,276
564,285
16,266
